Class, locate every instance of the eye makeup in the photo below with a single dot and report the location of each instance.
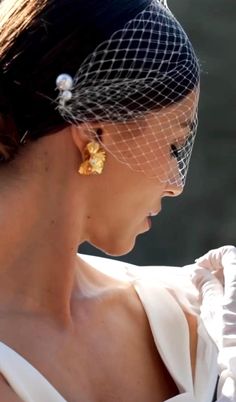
(174, 152)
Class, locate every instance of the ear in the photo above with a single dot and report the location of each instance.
(80, 136)
(83, 134)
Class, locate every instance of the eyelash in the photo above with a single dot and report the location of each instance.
(174, 151)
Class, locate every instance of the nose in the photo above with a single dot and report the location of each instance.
(172, 190)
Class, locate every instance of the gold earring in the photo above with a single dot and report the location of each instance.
(94, 159)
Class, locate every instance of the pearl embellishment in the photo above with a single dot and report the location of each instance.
(64, 83)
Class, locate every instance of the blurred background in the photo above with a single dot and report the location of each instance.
(204, 216)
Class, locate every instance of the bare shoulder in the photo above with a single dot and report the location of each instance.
(115, 273)
(106, 267)
(6, 392)
(136, 309)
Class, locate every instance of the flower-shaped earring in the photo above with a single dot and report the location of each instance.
(94, 159)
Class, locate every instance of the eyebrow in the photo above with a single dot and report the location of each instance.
(184, 124)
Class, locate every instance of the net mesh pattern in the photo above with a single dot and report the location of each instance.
(141, 86)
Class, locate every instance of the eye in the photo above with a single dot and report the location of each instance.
(177, 152)
(192, 126)
(174, 151)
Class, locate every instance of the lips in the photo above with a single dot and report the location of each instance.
(154, 213)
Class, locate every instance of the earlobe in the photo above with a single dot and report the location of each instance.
(88, 144)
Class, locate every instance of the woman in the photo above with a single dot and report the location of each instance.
(98, 117)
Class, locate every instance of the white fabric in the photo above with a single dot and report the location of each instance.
(214, 274)
(27, 382)
(167, 322)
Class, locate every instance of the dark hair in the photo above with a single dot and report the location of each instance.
(40, 39)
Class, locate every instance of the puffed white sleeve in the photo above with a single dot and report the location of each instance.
(214, 275)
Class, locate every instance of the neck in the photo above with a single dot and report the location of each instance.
(41, 228)
(38, 264)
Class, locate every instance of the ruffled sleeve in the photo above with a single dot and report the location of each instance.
(214, 275)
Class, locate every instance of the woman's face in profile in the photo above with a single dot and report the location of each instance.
(138, 173)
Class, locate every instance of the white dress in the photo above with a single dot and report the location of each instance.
(163, 292)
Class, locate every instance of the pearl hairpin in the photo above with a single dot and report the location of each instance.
(64, 83)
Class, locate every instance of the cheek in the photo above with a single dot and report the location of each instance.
(145, 148)
(120, 201)
(118, 217)
(125, 210)
(153, 160)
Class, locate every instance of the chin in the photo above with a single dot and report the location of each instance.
(115, 248)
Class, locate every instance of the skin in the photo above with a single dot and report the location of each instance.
(50, 300)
